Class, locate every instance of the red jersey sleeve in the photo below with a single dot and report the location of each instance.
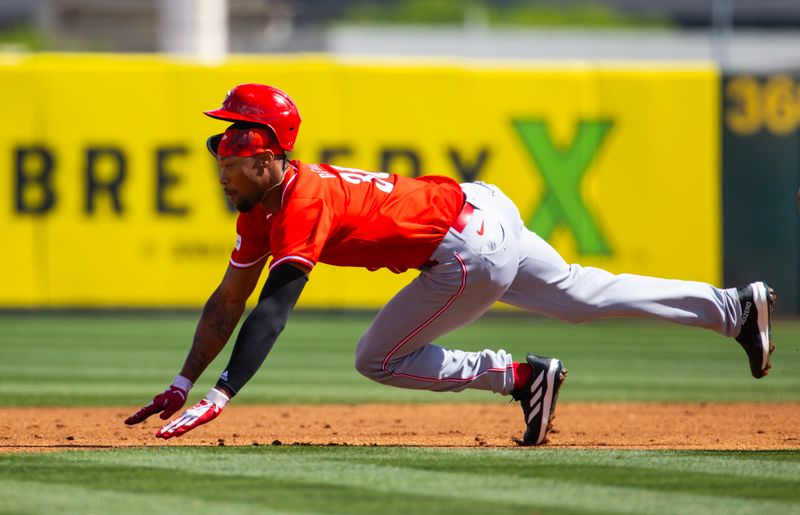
(300, 232)
(252, 239)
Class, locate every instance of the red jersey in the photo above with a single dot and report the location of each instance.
(349, 217)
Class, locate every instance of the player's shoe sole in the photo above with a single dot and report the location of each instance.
(757, 300)
(539, 396)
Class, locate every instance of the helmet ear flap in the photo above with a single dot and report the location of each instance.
(212, 143)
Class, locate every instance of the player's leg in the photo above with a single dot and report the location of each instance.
(396, 349)
(475, 266)
(546, 284)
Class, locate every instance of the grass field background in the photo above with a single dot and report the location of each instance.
(105, 359)
(124, 359)
(399, 480)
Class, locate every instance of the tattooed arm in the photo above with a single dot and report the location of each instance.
(220, 315)
(259, 332)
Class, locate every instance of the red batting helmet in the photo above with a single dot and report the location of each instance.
(264, 105)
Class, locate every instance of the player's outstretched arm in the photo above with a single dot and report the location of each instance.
(256, 338)
(220, 315)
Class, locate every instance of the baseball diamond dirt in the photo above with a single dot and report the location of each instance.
(738, 426)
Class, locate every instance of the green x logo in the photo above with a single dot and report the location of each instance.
(562, 170)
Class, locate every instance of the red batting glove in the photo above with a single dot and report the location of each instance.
(204, 411)
(168, 402)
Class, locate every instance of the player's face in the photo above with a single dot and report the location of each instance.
(243, 181)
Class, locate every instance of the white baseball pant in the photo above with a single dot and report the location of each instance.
(495, 257)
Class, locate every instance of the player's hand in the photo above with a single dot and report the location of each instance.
(204, 411)
(168, 402)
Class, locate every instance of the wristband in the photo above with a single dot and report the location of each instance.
(182, 383)
(217, 397)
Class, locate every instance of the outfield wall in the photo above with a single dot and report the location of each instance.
(109, 197)
(761, 174)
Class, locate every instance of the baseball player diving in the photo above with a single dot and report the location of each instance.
(469, 245)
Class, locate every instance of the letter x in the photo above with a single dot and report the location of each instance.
(562, 170)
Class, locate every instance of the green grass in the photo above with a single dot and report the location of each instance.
(108, 359)
(399, 480)
(520, 13)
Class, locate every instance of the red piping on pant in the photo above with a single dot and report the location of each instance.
(426, 324)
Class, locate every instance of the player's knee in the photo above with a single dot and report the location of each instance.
(369, 365)
(363, 365)
(581, 300)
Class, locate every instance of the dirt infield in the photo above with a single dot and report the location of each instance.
(621, 426)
